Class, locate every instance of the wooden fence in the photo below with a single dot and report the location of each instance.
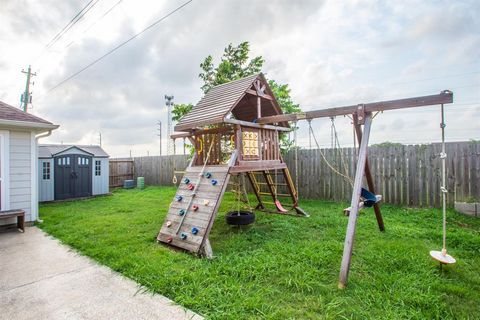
(404, 175)
(120, 170)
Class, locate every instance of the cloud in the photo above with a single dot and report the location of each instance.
(330, 53)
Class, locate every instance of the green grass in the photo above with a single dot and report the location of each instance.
(283, 267)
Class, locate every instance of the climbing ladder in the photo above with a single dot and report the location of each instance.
(275, 188)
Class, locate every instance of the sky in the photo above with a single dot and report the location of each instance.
(330, 53)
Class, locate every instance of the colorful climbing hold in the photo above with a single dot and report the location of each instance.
(168, 224)
(214, 182)
(183, 236)
(186, 181)
(208, 175)
(195, 230)
(169, 239)
(190, 186)
(206, 202)
(194, 207)
(178, 198)
(181, 212)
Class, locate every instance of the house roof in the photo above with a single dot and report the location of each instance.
(12, 116)
(50, 150)
(230, 98)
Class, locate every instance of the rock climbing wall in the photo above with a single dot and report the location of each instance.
(187, 226)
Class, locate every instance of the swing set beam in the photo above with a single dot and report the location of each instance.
(443, 97)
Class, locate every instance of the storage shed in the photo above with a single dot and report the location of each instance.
(72, 171)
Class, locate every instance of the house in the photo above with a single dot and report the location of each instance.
(19, 134)
(72, 171)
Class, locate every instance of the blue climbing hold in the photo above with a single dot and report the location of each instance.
(195, 230)
(178, 198)
(181, 212)
(208, 175)
(183, 236)
(214, 182)
(186, 181)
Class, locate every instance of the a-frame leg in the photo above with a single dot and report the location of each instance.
(352, 218)
(256, 190)
(368, 176)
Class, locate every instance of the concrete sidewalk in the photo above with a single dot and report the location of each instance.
(43, 279)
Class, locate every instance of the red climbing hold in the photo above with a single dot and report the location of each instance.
(190, 186)
(169, 239)
(194, 207)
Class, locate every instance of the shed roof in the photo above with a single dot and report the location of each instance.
(50, 150)
(230, 98)
(14, 116)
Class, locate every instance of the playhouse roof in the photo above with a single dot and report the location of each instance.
(237, 98)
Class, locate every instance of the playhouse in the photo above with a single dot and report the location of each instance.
(227, 142)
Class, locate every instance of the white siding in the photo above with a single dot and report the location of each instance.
(100, 183)
(45, 187)
(20, 174)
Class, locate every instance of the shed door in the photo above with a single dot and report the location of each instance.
(83, 176)
(73, 176)
(64, 177)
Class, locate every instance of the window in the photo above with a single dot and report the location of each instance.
(250, 145)
(98, 168)
(46, 170)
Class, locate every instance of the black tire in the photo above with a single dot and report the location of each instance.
(240, 218)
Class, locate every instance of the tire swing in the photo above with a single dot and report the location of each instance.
(442, 256)
(241, 217)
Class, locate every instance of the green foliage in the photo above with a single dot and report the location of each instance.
(233, 65)
(179, 110)
(283, 267)
(387, 144)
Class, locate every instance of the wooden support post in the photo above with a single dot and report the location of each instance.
(256, 190)
(352, 219)
(368, 176)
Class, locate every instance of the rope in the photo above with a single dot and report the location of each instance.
(444, 190)
(296, 156)
(337, 142)
(174, 179)
(198, 186)
(326, 161)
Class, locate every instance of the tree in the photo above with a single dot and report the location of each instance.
(179, 110)
(235, 64)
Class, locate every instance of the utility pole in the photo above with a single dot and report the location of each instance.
(100, 138)
(26, 97)
(169, 104)
(159, 134)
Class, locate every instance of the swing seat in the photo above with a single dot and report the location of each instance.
(279, 206)
(442, 258)
(369, 199)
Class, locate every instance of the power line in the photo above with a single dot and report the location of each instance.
(68, 24)
(77, 18)
(96, 21)
(119, 46)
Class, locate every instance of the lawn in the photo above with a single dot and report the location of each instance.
(283, 267)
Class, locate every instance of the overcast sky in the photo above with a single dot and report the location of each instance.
(331, 53)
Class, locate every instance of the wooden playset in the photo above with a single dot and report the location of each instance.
(235, 130)
(228, 141)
